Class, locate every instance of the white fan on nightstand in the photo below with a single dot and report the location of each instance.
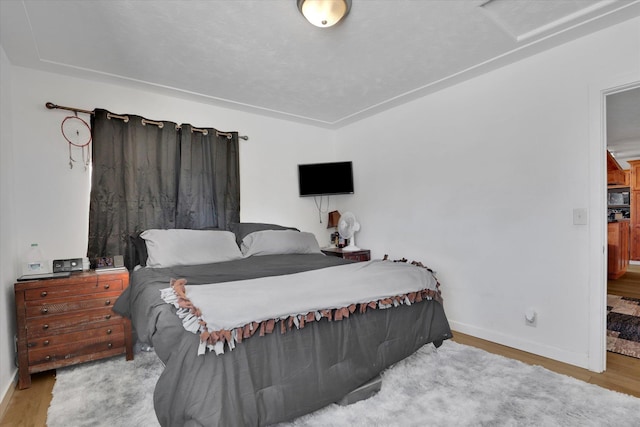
(347, 227)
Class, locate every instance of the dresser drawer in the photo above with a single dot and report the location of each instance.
(53, 340)
(58, 291)
(357, 256)
(70, 304)
(63, 323)
(76, 349)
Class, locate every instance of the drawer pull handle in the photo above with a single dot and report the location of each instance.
(47, 358)
(106, 286)
(107, 302)
(44, 310)
(45, 326)
(108, 316)
(43, 293)
(108, 331)
(109, 345)
(46, 342)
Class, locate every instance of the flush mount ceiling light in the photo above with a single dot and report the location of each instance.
(324, 13)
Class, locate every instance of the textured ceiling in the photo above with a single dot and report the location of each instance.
(263, 57)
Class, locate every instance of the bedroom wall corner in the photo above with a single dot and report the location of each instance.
(479, 181)
(269, 191)
(8, 260)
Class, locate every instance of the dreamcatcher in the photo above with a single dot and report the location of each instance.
(78, 134)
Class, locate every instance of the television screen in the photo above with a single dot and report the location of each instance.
(321, 179)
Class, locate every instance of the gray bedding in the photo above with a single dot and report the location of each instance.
(277, 377)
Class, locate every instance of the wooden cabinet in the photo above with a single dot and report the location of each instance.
(615, 174)
(618, 248)
(634, 184)
(67, 321)
(634, 175)
(616, 177)
(360, 255)
(634, 241)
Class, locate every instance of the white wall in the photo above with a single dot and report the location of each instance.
(7, 230)
(479, 181)
(53, 200)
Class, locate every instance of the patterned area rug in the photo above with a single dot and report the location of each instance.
(623, 325)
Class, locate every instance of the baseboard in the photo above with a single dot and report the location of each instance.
(634, 262)
(7, 398)
(554, 353)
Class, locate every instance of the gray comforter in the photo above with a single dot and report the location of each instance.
(277, 377)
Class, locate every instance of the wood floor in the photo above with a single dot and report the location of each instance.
(628, 285)
(28, 408)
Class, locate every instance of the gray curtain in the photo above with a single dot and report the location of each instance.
(209, 191)
(147, 176)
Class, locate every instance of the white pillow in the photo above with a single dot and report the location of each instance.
(167, 248)
(274, 242)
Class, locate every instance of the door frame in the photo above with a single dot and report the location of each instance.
(597, 305)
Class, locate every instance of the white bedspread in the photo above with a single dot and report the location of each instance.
(232, 305)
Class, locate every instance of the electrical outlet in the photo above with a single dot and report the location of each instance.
(531, 318)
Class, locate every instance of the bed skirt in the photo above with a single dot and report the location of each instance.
(279, 377)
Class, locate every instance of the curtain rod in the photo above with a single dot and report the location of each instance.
(52, 106)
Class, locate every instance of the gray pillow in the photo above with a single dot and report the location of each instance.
(276, 242)
(166, 248)
(140, 247)
(242, 229)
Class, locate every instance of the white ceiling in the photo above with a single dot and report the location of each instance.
(263, 57)
(623, 126)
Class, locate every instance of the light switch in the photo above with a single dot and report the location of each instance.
(580, 216)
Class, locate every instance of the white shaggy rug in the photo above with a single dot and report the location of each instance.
(110, 392)
(455, 385)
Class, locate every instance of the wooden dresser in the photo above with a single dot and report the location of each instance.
(67, 321)
(359, 255)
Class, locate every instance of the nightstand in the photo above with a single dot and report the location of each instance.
(67, 321)
(359, 255)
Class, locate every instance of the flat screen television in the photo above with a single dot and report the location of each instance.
(322, 179)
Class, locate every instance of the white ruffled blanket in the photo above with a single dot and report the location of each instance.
(232, 311)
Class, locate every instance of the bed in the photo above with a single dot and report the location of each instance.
(289, 370)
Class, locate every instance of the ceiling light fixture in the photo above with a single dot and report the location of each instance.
(324, 13)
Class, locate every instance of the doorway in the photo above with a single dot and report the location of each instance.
(622, 141)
